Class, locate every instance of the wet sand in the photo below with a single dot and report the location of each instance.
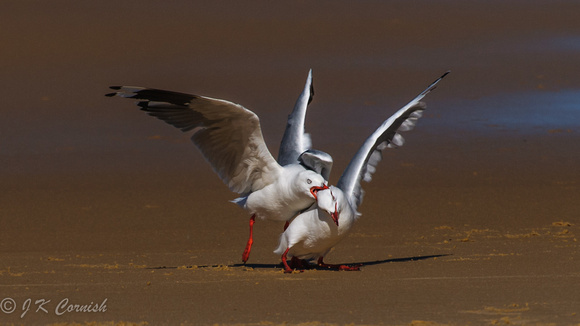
(475, 221)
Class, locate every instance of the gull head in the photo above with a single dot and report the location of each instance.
(327, 202)
(313, 182)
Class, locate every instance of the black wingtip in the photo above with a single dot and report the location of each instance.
(113, 88)
(311, 91)
(144, 105)
(433, 84)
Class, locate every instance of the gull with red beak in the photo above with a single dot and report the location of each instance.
(313, 233)
(230, 139)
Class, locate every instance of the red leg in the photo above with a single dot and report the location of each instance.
(321, 263)
(287, 268)
(286, 225)
(246, 253)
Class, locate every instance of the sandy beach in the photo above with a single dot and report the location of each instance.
(111, 217)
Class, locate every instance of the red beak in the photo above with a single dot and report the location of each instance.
(316, 189)
(335, 215)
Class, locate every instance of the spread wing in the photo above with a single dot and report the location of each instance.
(227, 134)
(295, 141)
(364, 163)
(295, 145)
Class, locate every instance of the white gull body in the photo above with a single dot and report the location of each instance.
(312, 234)
(315, 232)
(230, 139)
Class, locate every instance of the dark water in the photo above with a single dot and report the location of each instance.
(514, 68)
(538, 112)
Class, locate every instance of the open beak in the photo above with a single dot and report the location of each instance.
(335, 214)
(316, 189)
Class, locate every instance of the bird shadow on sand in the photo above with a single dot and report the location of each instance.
(311, 266)
(359, 264)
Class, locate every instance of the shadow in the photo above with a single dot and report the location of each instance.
(310, 267)
(399, 260)
(256, 266)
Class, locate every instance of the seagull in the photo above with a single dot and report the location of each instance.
(230, 138)
(313, 233)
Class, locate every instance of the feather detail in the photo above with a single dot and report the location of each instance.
(227, 134)
(295, 141)
(365, 161)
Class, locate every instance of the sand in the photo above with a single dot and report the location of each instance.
(475, 221)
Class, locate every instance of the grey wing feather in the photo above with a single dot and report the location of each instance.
(317, 161)
(295, 141)
(227, 134)
(364, 163)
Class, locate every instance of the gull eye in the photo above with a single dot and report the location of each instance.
(308, 181)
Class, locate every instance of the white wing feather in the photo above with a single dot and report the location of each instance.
(364, 163)
(295, 141)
